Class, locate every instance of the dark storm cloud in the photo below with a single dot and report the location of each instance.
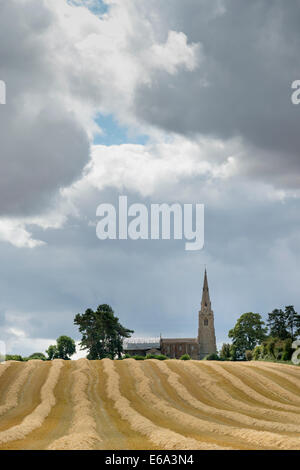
(42, 146)
(242, 86)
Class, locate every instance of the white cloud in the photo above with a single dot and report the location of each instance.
(79, 353)
(25, 345)
(156, 167)
(103, 60)
(174, 53)
(15, 232)
(78, 64)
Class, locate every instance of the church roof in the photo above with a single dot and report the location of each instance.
(179, 340)
(141, 344)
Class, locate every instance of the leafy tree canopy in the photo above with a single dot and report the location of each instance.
(284, 324)
(102, 333)
(225, 353)
(248, 331)
(277, 324)
(37, 355)
(292, 319)
(63, 349)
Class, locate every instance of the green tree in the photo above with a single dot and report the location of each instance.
(277, 324)
(37, 355)
(248, 331)
(63, 349)
(52, 352)
(248, 355)
(185, 357)
(225, 353)
(292, 319)
(211, 357)
(102, 333)
(13, 357)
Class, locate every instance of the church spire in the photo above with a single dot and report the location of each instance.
(205, 303)
(206, 328)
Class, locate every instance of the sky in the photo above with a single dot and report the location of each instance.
(164, 102)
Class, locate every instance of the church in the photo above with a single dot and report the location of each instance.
(197, 348)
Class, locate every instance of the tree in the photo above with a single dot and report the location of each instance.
(284, 324)
(13, 357)
(37, 355)
(225, 353)
(211, 357)
(63, 349)
(52, 352)
(277, 324)
(292, 320)
(249, 331)
(102, 333)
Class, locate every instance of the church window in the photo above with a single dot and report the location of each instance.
(205, 322)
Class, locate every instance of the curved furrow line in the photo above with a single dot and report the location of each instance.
(249, 435)
(82, 434)
(111, 437)
(15, 388)
(162, 389)
(4, 366)
(251, 417)
(187, 422)
(5, 372)
(221, 396)
(130, 437)
(162, 437)
(246, 389)
(269, 385)
(289, 380)
(35, 419)
(29, 395)
(291, 369)
(58, 422)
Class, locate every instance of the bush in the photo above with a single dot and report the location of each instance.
(225, 353)
(161, 357)
(185, 357)
(271, 347)
(256, 353)
(211, 357)
(13, 357)
(287, 350)
(248, 355)
(151, 356)
(137, 357)
(127, 356)
(274, 349)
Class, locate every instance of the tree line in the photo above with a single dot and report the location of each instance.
(252, 338)
(102, 337)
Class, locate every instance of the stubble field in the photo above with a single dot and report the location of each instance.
(149, 405)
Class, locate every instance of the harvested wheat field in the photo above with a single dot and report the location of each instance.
(149, 405)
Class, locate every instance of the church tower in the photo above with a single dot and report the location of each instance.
(206, 327)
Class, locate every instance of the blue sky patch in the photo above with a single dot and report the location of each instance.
(114, 134)
(96, 6)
